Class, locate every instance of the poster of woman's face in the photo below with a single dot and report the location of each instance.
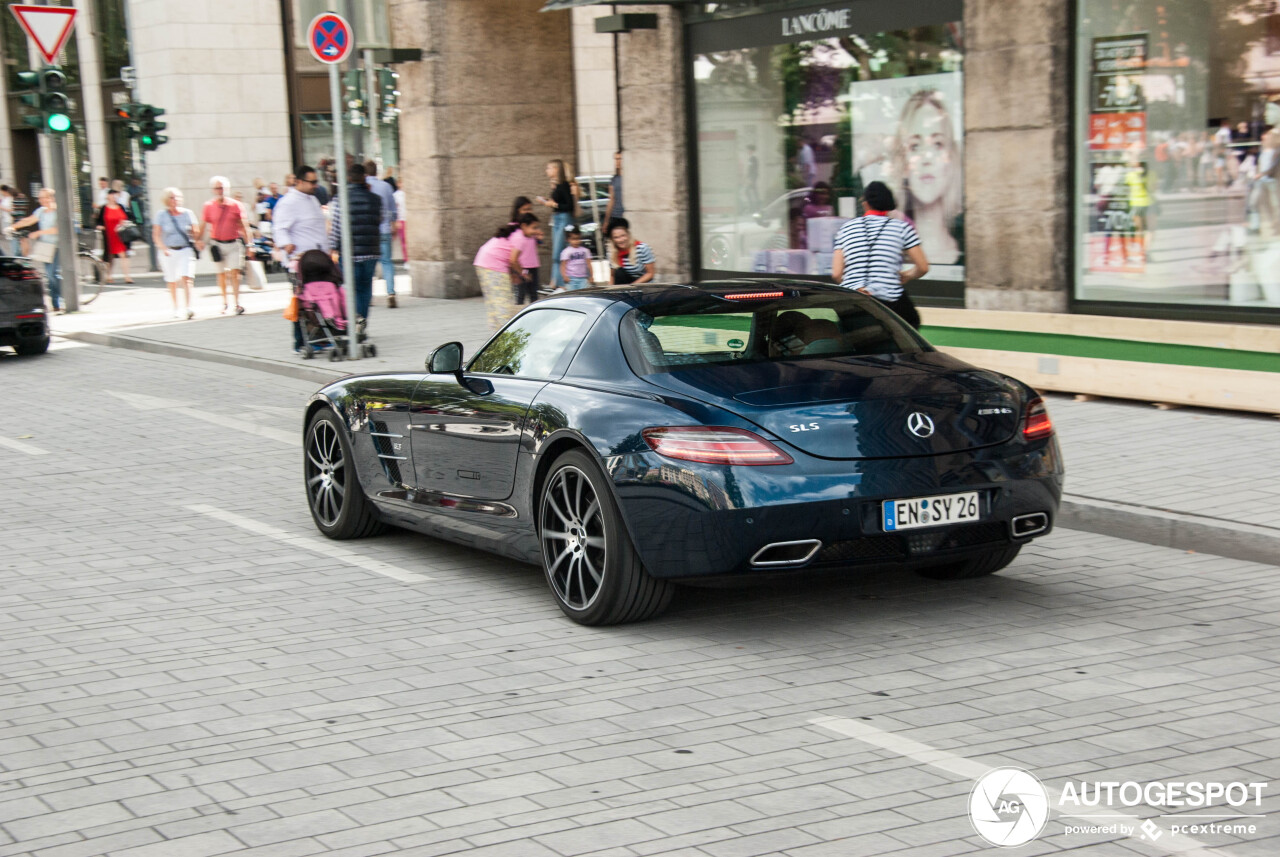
(905, 133)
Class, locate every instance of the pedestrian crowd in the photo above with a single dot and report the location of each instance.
(309, 217)
(509, 265)
(241, 238)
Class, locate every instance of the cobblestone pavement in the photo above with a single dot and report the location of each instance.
(190, 670)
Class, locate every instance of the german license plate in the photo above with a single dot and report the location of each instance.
(930, 511)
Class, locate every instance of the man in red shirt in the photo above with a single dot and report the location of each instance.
(224, 219)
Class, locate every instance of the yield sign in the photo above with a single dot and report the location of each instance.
(47, 26)
(329, 38)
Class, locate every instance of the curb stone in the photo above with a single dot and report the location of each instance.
(1132, 522)
(1171, 529)
(321, 373)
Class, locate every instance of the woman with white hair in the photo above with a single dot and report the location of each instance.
(176, 234)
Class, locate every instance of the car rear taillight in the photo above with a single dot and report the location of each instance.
(39, 314)
(1037, 424)
(713, 445)
(754, 296)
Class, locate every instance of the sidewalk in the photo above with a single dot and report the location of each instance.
(1188, 478)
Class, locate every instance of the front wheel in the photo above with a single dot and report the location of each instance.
(338, 505)
(979, 566)
(591, 565)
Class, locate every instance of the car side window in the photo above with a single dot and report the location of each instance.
(530, 346)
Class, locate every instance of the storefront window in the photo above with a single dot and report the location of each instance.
(791, 129)
(1178, 189)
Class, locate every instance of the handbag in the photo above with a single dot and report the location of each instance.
(44, 251)
(291, 309)
(215, 252)
(128, 232)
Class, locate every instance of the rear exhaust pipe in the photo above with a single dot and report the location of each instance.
(1029, 525)
(780, 554)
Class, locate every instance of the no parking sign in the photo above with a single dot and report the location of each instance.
(329, 38)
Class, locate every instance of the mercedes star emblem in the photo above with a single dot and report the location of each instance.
(920, 424)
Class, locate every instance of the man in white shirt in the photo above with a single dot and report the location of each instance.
(298, 225)
(297, 222)
(100, 198)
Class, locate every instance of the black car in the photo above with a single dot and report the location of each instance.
(628, 438)
(23, 323)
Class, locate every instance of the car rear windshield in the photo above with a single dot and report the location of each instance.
(706, 329)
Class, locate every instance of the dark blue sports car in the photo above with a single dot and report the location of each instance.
(629, 438)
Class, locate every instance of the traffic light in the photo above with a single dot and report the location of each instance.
(30, 84)
(149, 127)
(54, 100)
(353, 95)
(129, 113)
(388, 84)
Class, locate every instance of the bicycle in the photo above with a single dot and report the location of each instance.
(92, 271)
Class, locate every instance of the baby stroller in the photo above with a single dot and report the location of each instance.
(322, 311)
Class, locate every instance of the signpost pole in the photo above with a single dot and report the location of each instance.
(68, 251)
(344, 201)
(48, 28)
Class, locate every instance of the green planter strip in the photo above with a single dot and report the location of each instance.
(1109, 349)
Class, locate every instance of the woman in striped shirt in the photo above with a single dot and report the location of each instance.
(869, 251)
(633, 261)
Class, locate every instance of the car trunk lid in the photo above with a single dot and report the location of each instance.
(883, 406)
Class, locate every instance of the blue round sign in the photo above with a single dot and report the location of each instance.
(329, 38)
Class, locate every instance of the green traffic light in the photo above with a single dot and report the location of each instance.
(59, 123)
(146, 140)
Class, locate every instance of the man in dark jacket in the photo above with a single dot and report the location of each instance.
(365, 217)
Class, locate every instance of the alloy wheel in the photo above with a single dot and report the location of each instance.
(326, 474)
(574, 543)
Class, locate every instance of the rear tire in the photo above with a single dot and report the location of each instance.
(32, 347)
(980, 566)
(337, 502)
(591, 565)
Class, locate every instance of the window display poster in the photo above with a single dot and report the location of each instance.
(1118, 118)
(1117, 234)
(1116, 132)
(1119, 63)
(907, 132)
(1121, 183)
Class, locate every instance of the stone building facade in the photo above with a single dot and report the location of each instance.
(1085, 155)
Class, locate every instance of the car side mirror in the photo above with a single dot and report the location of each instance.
(446, 360)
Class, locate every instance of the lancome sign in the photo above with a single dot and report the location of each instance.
(822, 21)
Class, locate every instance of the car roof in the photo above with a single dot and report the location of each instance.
(638, 296)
